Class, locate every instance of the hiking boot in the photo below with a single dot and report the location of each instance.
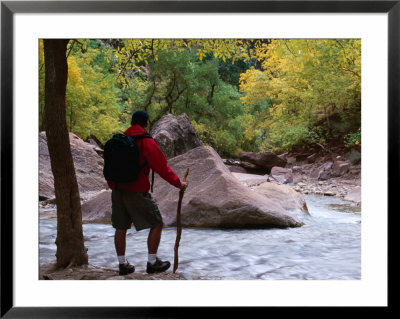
(126, 269)
(158, 266)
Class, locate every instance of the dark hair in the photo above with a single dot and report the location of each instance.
(139, 117)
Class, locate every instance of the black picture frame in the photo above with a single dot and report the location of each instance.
(9, 8)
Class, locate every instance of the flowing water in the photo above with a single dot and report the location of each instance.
(328, 246)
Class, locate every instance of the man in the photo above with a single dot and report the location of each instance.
(132, 202)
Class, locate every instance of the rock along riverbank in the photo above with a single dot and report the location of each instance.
(93, 272)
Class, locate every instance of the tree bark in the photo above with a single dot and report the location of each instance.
(70, 244)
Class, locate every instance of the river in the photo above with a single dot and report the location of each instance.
(327, 247)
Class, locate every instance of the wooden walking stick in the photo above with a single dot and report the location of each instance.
(178, 224)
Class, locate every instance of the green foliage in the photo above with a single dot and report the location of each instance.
(353, 139)
(248, 95)
(311, 90)
(182, 83)
(93, 98)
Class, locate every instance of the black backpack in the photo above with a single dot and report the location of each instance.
(121, 158)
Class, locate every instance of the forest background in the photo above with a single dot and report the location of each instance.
(240, 94)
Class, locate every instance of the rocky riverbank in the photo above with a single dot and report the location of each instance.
(93, 272)
(336, 175)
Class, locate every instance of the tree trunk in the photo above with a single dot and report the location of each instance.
(70, 244)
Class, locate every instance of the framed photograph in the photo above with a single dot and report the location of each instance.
(371, 27)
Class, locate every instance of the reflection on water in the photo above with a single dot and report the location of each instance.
(328, 246)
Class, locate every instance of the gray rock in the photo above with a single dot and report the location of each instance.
(98, 209)
(265, 159)
(354, 195)
(250, 179)
(215, 198)
(289, 199)
(88, 167)
(281, 175)
(324, 175)
(175, 135)
(340, 168)
(297, 169)
(322, 172)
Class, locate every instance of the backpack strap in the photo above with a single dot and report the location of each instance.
(152, 179)
(138, 137)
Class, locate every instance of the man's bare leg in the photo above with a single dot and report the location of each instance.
(153, 240)
(120, 241)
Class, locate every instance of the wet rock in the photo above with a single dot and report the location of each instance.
(88, 167)
(175, 135)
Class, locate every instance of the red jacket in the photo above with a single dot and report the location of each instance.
(156, 160)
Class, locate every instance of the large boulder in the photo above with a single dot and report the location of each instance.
(214, 198)
(175, 135)
(262, 160)
(288, 198)
(88, 167)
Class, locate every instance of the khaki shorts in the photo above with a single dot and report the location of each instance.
(134, 207)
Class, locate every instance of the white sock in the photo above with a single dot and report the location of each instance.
(151, 258)
(122, 259)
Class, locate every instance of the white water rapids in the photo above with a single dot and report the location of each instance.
(328, 246)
